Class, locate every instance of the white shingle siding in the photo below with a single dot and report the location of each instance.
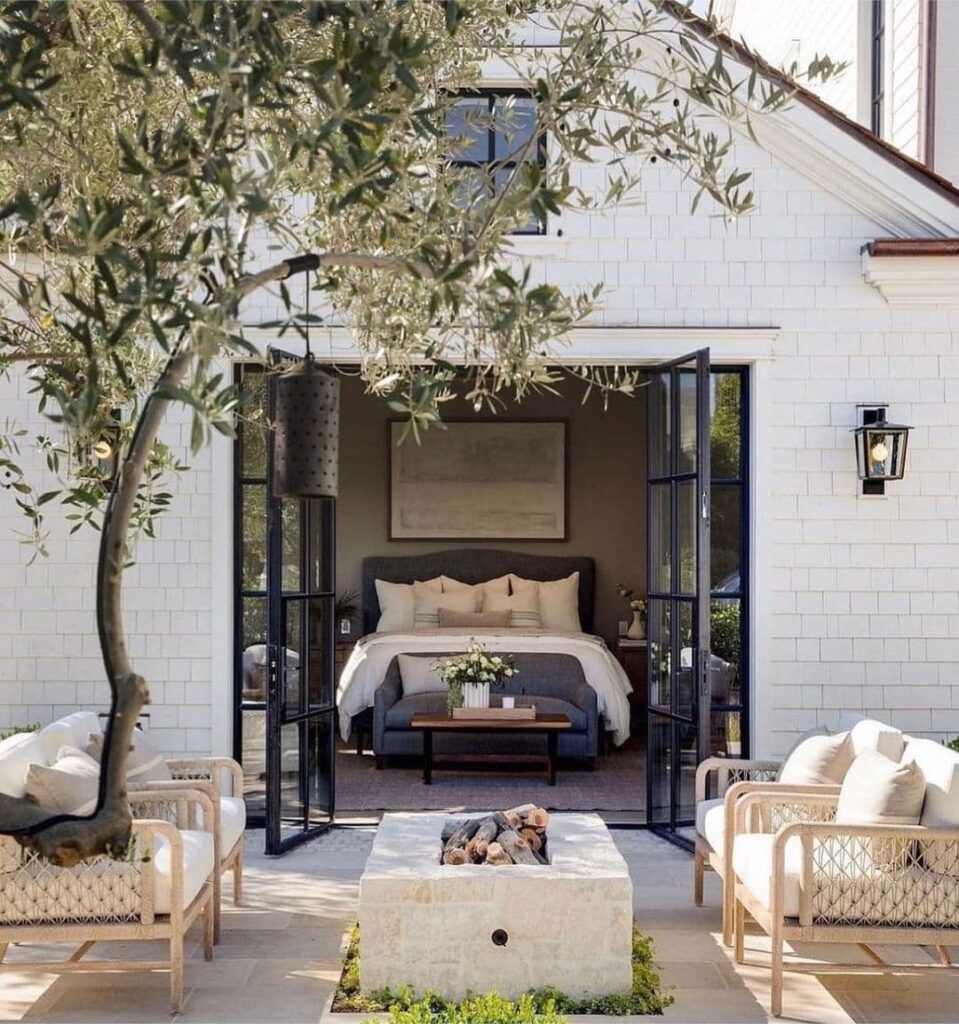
(904, 75)
(855, 599)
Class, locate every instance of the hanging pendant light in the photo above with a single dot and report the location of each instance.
(307, 428)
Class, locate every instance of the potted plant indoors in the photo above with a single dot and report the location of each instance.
(469, 676)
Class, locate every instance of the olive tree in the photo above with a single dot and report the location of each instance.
(155, 155)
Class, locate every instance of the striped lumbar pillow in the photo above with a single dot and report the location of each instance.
(427, 604)
(523, 608)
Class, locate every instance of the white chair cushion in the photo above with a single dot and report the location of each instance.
(753, 864)
(940, 808)
(53, 737)
(232, 822)
(197, 868)
(711, 822)
(870, 734)
(81, 724)
(819, 760)
(17, 753)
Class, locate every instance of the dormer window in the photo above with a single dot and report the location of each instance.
(493, 131)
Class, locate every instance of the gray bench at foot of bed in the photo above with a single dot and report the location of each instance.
(554, 682)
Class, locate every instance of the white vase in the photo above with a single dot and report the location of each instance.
(476, 695)
(637, 628)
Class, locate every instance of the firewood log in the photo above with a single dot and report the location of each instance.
(532, 837)
(502, 822)
(481, 850)
(537, 818)
(488, 830)
(497, 856)
(518, 849)
(451, 825)
(462, 835)
(455, 856)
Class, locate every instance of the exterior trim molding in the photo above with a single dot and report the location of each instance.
(913, 280)
(588, 344)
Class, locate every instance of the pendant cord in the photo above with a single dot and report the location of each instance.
(309, 354)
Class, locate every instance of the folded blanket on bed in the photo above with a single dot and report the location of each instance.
(366, 667)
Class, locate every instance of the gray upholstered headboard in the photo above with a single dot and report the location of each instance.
(474, 565)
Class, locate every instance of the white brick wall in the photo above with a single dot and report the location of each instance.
(49, 655)
(855, 599)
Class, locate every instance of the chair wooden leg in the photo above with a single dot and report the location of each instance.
(699, 868)
(740, 932)
(729, 905)
(776, 997)
(176, 971)
(238, 876)
(3, 950)
(209, 923)
(217, 898)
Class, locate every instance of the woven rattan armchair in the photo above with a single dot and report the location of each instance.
(720, 775)
(157, 892)
(819, 881)
(221, 780)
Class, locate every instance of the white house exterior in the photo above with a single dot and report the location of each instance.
(855, 598)
(901, 53)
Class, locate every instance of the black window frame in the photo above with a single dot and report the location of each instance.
(877, 69)
(492, 162)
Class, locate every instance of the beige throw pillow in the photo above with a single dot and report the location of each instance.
(68, 786)
(523, 608)
(397, 605)
(450, 619)
(427, 603)
(940, 807)
(420, 674)
(558, 601)
(819, 760)
(145, 762)
(870, 734)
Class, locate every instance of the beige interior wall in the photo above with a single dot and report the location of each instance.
(607, 489)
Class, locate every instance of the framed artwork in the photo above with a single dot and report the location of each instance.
(480, 480)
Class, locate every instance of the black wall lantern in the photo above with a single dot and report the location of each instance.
(880, 449)
(307, 432)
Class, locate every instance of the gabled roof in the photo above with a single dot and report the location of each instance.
(907, 196)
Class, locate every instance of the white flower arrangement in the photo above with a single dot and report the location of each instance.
(477, 666)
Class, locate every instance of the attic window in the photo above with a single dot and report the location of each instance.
(493, 131)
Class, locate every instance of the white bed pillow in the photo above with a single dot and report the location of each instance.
(420, 674)
(558, 601)
(397, 605)
(523, 608)
(498, 586)
(427, 603)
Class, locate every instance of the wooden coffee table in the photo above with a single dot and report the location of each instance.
(549, 725)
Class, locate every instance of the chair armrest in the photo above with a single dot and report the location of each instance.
(816, 804)
(584, 696)
(217, 769)
(386, 695)
(181, 808)
(728, 765)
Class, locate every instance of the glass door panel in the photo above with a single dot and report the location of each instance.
(300, 695)
(678, 590)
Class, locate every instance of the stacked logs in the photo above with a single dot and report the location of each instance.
(516, 836)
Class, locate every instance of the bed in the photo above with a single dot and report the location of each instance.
(370, 660)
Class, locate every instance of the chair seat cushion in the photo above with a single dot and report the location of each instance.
(400, 715)
(197, 868)
(711, 822)
(232, 822)
(753, 864)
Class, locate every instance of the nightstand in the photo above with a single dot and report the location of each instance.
(631, 654)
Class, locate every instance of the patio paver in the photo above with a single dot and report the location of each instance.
(279, 958)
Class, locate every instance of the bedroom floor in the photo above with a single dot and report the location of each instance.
(617, 784)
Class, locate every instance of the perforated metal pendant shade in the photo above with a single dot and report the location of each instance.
(307, 433)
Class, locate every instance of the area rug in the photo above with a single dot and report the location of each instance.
(617, 784)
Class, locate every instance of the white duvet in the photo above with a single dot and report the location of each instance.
(366, 667)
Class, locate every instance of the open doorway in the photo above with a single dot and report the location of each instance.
(605, 518)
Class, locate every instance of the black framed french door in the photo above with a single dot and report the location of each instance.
(678, 578)
(300, 693)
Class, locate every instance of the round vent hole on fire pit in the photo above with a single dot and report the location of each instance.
(500, 937)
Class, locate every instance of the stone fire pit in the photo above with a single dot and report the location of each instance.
(453, 929)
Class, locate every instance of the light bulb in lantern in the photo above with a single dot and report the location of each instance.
(879, 452)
